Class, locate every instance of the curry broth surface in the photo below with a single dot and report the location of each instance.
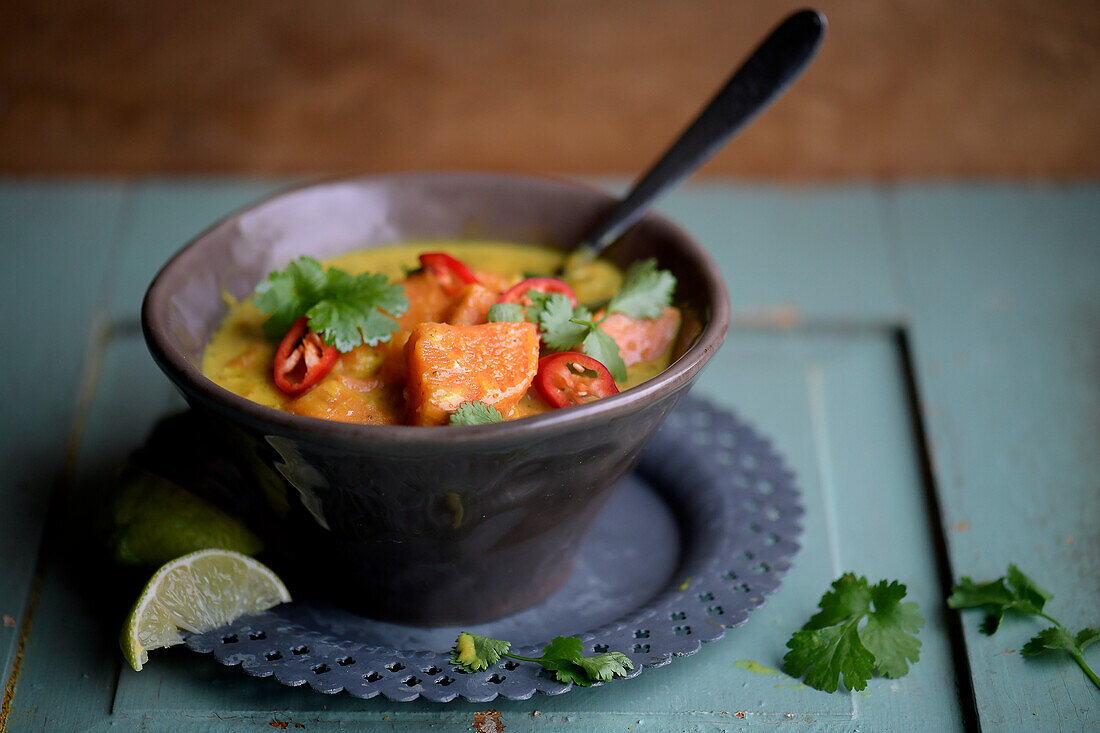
(240, 359)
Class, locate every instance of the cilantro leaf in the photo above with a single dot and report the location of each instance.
(345, 310)
(1015, 591)
(288, 294)
(564, 647)
(646, 291)
(1027, 589)
(1087, 636)
(606, 666)
(564, 656)
(563, 326)
(561, 656)
(824, 655)
(849, 597)
(890, 631)
(506, 312)
(352, 311)
(603, 349)
(832, 645)
(997, 597)
(475, 413)
(472, 652)
(1054, 638)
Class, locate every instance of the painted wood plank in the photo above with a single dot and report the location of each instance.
(795, 255)
(1004, 288)
(836, 408)
(71, 658)
(57, 241)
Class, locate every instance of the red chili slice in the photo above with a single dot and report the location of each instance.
(302, 359)
(452, 274)
(570, 378)
(518, 292)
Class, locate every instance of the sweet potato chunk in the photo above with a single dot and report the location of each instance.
(493, 363)
(394, 366)
(493, 281)
(472, 305)
(642, 339)
(427, 301)
(347, 399)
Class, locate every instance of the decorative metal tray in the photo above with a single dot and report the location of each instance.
(696, 537)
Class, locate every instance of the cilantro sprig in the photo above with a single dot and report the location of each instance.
(1015, 591)
(475, 413)
(860, 630)
(645, 293)
(346, 311)
(563, 656)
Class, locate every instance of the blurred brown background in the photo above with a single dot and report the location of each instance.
(915, 89)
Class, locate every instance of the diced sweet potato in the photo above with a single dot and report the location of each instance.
(395, 366)
(349, 400)
(642, 339)
(472, 305)
(427, 301)
(493, 281)
(492, 363)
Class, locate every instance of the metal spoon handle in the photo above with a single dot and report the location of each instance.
(760, 80)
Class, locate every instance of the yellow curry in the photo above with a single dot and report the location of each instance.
(470, 333)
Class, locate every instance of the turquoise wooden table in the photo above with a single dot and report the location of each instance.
(927, 358)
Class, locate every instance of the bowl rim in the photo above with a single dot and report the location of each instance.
(196, 386)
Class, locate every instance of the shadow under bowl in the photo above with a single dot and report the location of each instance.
(422, 525)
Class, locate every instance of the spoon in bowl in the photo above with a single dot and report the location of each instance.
(759, 81)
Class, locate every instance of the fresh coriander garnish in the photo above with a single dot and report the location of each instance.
(833, 643)
(563, 656)
(346, 311)
(475, 413)
(512, 312)
(645, 293)
(562, 325)
(1015, 591)
(605, 350)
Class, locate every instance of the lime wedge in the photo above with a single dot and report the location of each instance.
(197, 592)
(156, 520)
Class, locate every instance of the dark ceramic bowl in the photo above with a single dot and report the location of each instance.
(423, 525)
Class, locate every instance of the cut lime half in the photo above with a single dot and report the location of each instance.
(157, 520)
(197, 592)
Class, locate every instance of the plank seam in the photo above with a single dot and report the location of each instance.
(968, 702)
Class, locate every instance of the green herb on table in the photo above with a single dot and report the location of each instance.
(345, 310)
(475, 413)
(860, 630)
(563, 656)
(1015, 591)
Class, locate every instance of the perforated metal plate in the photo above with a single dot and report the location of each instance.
(694, 540)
